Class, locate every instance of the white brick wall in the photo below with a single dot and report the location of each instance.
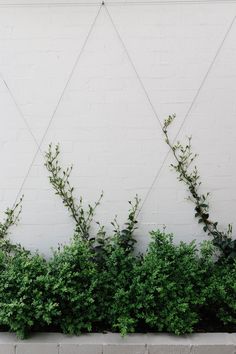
(104, 123)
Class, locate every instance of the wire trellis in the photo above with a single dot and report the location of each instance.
(219, 48)
(56, 107)
(139, 79)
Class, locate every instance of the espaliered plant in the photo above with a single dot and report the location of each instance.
(11, 218)
(116, 262)
(189, 175)
(111, 255)
(60, 181)
(99, 283)
(125, 236)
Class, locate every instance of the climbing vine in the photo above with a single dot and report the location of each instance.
(125, 235)
(60, 180)
(11, 218)
(100, 284)
(189, 175)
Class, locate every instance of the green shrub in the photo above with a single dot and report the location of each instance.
(221, 293)
(113, 295)
(171, 288)
(73, 279)
(25, 301)
(169, 285)
(98, 282)
(116, 263)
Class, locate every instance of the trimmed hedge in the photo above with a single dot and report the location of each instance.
(100, 284)
(171, 288)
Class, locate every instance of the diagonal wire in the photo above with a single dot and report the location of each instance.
(59, 101)
(20, 111)
(21, 114)
(142, 85)
(133, 66)
(188, 112)
(149, 99)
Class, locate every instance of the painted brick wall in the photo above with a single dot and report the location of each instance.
(104, 122)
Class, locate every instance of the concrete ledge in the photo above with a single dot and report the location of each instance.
(110, 343)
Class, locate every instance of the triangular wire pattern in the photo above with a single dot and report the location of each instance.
(21, 109)
(16, 147)
(211, 64)
(21, 41)
(190, 108)
(193, 101)
(99, 107)
(102, 135)
(39, 144)
(38, 54)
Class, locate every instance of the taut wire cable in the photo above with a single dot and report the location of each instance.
(188, 112)
(18, 109)
(133, 66)
(139, 80)
(150, 101)
(59, 101)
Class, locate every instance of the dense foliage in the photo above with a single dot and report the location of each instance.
(171, 288)
(99, 283)
(72, 283)
(25, 300)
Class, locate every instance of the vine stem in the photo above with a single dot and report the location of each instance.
(184, 157)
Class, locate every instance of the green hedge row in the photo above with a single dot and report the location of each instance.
(100, 284)
(172, 288)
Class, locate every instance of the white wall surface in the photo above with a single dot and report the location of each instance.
(104, 122)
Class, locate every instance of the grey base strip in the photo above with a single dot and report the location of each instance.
(110, 343)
